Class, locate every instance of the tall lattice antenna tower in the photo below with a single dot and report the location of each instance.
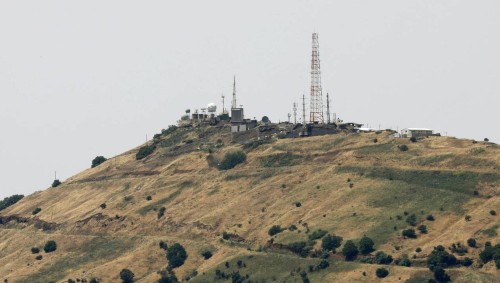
(316, 110)
(234, 94)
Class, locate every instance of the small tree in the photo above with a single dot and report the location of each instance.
(350, 251)
(383, 258)
(206, 254)
(231, 159)
(36, 211)
(103, 205)
(50, 246)
(127, 276)
(274, 230)
(97, 161)
(403, 147)
(409, 233)
(331, 242)
(441, 275)
(471, 242)
(430, 217)
(366, 245)
(422, 229)
(161, 212)
(145, 151)
(413, 139)
(412, 220)
(35, 250)
(176, 255)
(56, 183)
(382, 272)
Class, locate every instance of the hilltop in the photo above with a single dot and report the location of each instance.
(113, 216)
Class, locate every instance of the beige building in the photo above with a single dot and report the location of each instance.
(415, 132)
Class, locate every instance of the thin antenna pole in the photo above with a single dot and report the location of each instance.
(328, 108)
(234, 92)
(55, 175)
(304, 109)
(223, 106)
(295, 113)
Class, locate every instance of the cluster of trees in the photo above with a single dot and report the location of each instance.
(491, 253)
(98, 160)
(8, 201)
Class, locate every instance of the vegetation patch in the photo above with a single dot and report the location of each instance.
(94, 251)
(492, 231)
(8, 201)
(145, 151)
(279, 159)
(231, 159)
(165, 200)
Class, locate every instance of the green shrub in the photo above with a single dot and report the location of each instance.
(331, 242)
(413, 139)
(299, 248)
(382, 272)
(148, 198)
(176, 255)
(206, 254)
(409, 233)
(366, 245)
(161, 212)
(492, 212)
(103, 205)
(404, 261)
(36, 211)
(292, 227)
(318, 234)
(231, 159)
(490, 253)
(350, 251)
(430, 217)
(127, 276)
(466, 261)
(50, 246)
(403, 147)
(471, 242)
(56, 183)
(383, 258)
(97, 161)
(163, 245)
(440, 275)
(412, 220)
(422, 229)
(275, 229)
(418, 250)
(35, 250)
(94, 280)
(39, 257)
(145, 151)
(8, 201)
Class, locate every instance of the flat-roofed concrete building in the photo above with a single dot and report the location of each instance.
(416, 132)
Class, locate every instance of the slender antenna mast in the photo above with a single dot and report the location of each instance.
(328, 108)
(223, 107)
(316, 111)
(289, 115)
(234, 93)
(304, 109)
(295, 113)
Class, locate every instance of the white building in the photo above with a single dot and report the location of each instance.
(416, 132)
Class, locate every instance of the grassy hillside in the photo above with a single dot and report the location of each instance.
(346, 184)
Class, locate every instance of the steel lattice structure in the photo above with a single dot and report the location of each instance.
(316, 109)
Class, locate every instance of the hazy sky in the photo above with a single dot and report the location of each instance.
(85, 78)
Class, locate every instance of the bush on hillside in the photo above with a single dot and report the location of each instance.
(35, 250)
(471, 242)
(490, 253)
(275, 229)
(97, 161)
(318, 234)
(103, 205)
(94, 280)
(36, 211)
(8, 201)
(413, 139)
(383, 258)
(231, 159)
(409, 233)
(206, 254)
(176, 255)
(492, 212)
(145, 151)
(439, 257)
(440, 275)
(50, 246)
(127, 276)
(39, 257)
(161, 212)
(350, 251)
(300, 248)
(366, 245)
(56, 183)
(331, 242)
(430, 217)
(422, 229)
(403, 147)
(382, 272)
(412, 220)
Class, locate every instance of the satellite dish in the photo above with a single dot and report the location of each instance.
(211, 107)
(265, 120)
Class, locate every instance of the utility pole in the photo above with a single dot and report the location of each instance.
(223, 107)
(289, 115)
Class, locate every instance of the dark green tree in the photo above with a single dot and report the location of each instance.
(409, 233)
(350, 251)
(98, 160)
(127, 276)
(331, 242)
(56, 183)
(382, 272)
(8, 201)
(439, 257)
(50, 246)
(176, 255)
(366, 245)
(231, 159)
(275, 229)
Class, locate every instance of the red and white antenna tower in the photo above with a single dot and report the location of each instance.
(316, 110)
